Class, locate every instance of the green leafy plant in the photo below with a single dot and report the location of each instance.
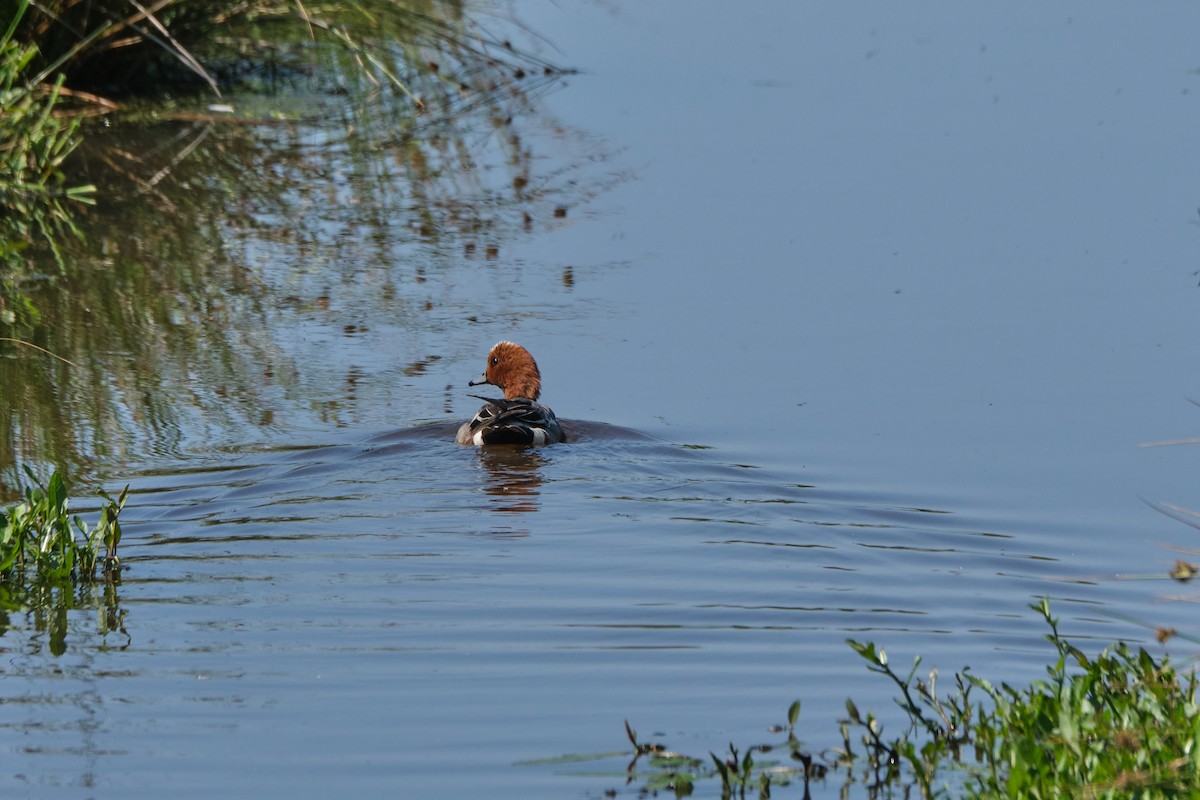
(34, 141)
(1120, 725)
(40, 535)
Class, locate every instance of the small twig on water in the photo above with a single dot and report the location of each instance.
(36, 347)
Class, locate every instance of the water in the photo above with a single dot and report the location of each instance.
(353, 614)
(864, 313)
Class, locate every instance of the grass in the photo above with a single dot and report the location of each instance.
(1120, 725)
(34, 142)
(107, 49)
(41, 541)
(63, 60)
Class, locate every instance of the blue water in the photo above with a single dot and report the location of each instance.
(879, 302)
(355, 615)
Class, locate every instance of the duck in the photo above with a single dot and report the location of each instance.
(518, 417)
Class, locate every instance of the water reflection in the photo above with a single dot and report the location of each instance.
(53, 642)
(50, 614)
(514, 477)
(242, 273)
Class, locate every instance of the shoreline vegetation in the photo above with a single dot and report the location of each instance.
(1120, 725)
(64, 61)
(35, 139)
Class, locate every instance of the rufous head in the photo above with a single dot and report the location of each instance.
(511, 369)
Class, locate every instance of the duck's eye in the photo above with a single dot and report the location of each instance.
(495, 361)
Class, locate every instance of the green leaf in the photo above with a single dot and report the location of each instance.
(57, 491)
(793, 713)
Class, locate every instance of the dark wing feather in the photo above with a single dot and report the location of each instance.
(508, 421)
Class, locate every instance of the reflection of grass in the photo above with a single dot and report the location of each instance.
(220, 233)
(1119, 725)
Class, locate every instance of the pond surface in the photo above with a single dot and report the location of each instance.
(859, 315)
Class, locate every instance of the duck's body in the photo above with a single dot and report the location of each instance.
(517, 418)
(516, 421)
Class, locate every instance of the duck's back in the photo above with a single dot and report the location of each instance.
(517, 421)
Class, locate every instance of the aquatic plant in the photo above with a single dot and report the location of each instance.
(40, 539)
(1122, 724)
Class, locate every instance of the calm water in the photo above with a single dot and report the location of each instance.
(862, 314)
